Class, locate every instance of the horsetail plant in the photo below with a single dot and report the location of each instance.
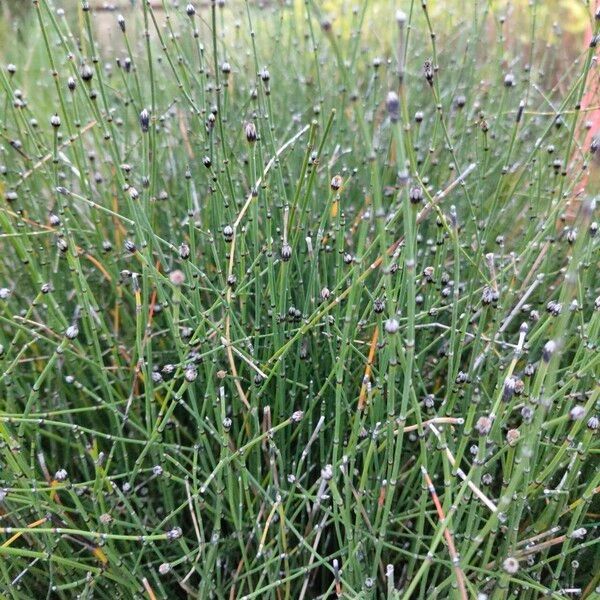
(299, 301)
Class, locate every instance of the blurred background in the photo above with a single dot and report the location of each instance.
(567, 19)
(564, 25)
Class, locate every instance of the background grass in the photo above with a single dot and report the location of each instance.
(298, 302)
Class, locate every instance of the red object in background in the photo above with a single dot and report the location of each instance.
(590, 181)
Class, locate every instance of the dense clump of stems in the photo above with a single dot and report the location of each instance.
(299, 305)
